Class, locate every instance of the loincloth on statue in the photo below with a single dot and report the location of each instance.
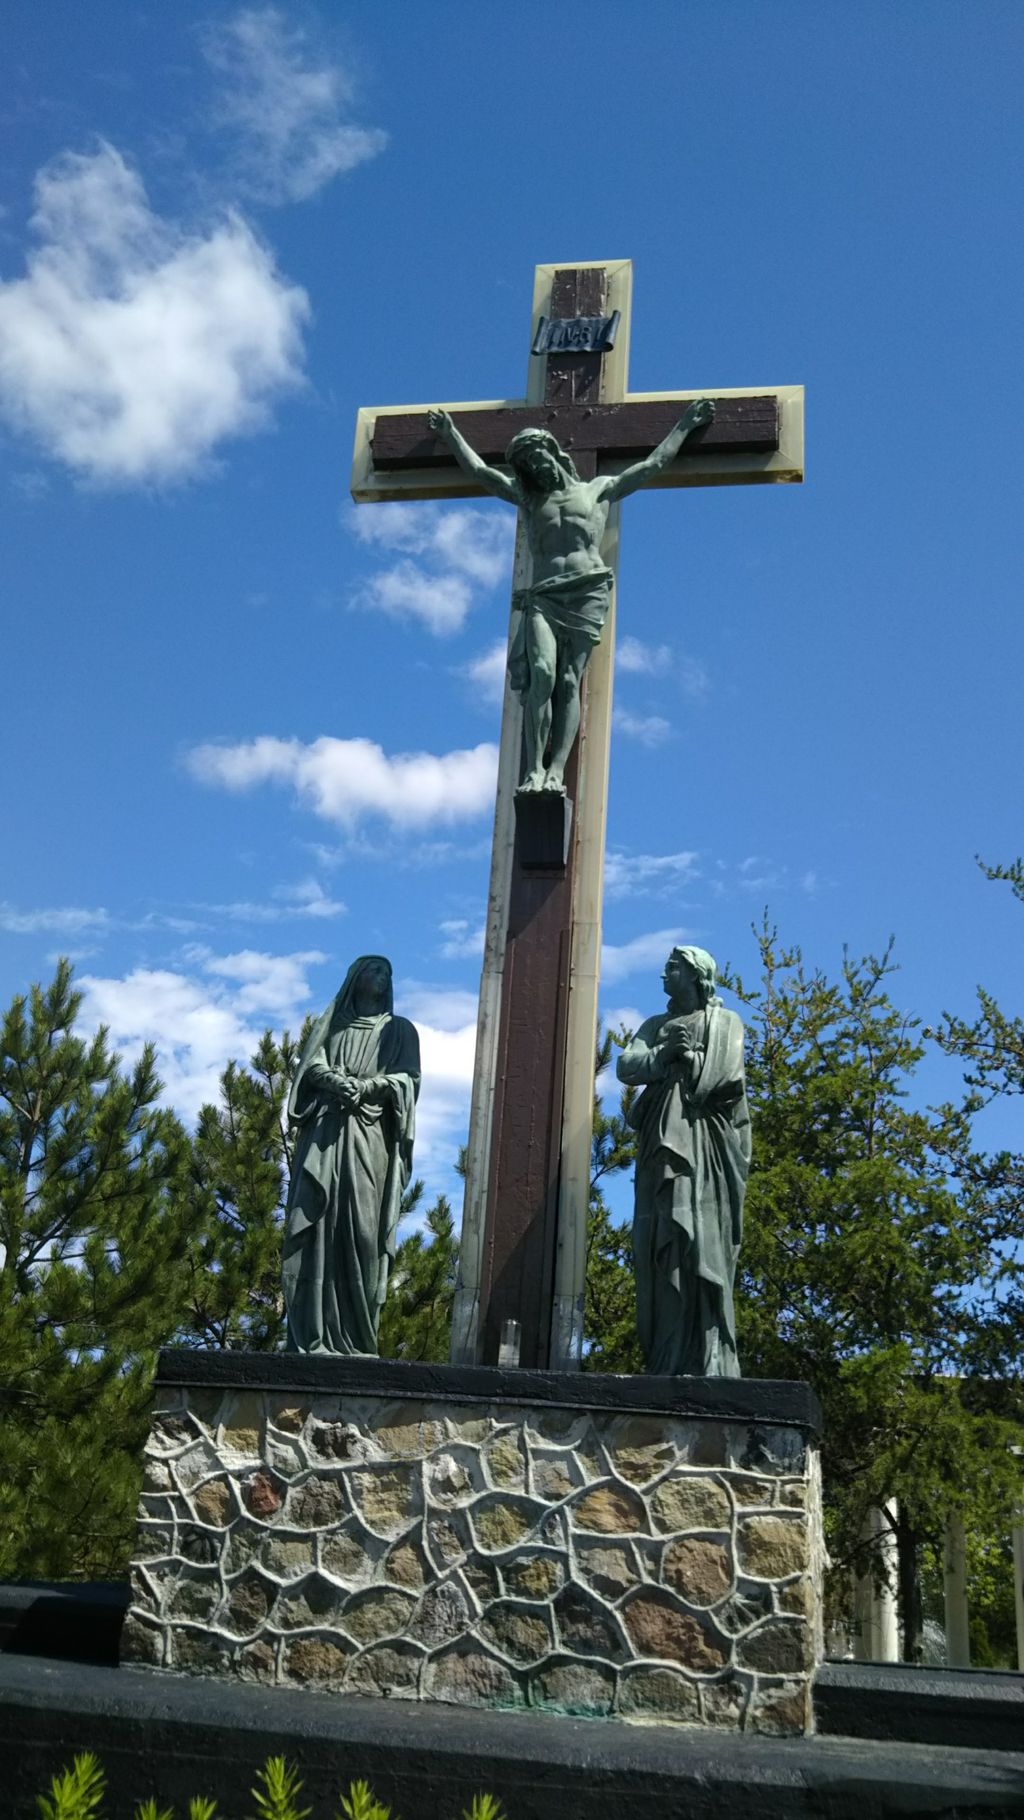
(574, 604)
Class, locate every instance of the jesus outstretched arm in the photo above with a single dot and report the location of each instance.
(491, 478)
(699, 413)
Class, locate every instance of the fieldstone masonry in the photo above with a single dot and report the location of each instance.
(504, 1547)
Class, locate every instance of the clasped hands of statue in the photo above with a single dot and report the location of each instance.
(351, 1091)
(678, 1045)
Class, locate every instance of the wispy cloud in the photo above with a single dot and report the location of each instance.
(212, 1008)
(462, 939)
(202, 1017)
(344, 780)
(131, 348)
(69, 920)
(643, 660)
(30, 484)
(446, 1022)
(461, 550)
(638, 659)
(693, 678)
(438, 601)
(648, 729)
(486, 672)
(307, 898)
(758, 875)
(288, 105)
(647, 874)
(644, 954)
(475, 540)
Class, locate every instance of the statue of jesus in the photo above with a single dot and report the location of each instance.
(561, 614)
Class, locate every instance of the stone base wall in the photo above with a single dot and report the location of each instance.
(498, 1552)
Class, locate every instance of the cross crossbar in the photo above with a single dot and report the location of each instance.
(612, 432)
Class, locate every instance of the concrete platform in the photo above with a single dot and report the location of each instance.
(975, 1708)
(177, 1736)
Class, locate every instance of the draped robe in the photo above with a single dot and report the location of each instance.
(348, 1172)
(693, 1157)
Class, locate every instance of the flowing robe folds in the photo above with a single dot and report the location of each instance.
(348, 1173)
(693, 1157)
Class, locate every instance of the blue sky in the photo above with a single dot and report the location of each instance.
(249, 732)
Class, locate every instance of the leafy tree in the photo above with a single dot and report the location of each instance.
(610, 1339)
(241, 1154)
(93, 1238)
(416, 1319)
(869, 1258)
(993, 1044)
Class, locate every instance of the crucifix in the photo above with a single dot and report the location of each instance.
(523, 1245)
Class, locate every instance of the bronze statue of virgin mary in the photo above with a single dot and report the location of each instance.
(353, 1107)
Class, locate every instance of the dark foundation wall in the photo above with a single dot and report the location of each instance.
(176, 1736)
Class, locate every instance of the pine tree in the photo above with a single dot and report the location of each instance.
(416, 1319)
(92, 1231)
(610, 1340)
(241, 1155)
(869, 1256)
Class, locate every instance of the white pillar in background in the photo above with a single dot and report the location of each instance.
(954, 1582)
(1018, 1586)
(876, 1636)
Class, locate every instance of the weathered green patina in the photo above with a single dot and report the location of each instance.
(353, 1104)
(560, 617)
(693, 1157)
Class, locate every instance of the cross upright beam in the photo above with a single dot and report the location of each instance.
(523, 1247)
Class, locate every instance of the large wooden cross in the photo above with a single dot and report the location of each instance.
(523, 1247)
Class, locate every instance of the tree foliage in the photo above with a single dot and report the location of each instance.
(93, 1233)
(871, 1259)
(609, 1323)
(416, 1319)
(238, 1175)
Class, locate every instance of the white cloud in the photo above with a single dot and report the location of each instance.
(486, 672)
(448, 1008)
(643, 660)
(644, 954)
(466, 547)
(693, 678)
(475, 540)
(201, 1019)
(463, 940)
(307, 898)
(446, 1022)
(345, 779)
(649, 729)
(659, 660)
(67, 921)
(131, 349)
(214, 1009)
(272, 984)
(406, 591)
(647, 874)
(288, 105)
(624, 1017)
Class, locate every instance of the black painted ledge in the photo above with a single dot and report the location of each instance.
(175, 1736)
(972, 1708)
(774, 1402)
(75, 1621)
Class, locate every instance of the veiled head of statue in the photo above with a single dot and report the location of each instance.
(370, 974)
(701, 964)
(539, 460)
